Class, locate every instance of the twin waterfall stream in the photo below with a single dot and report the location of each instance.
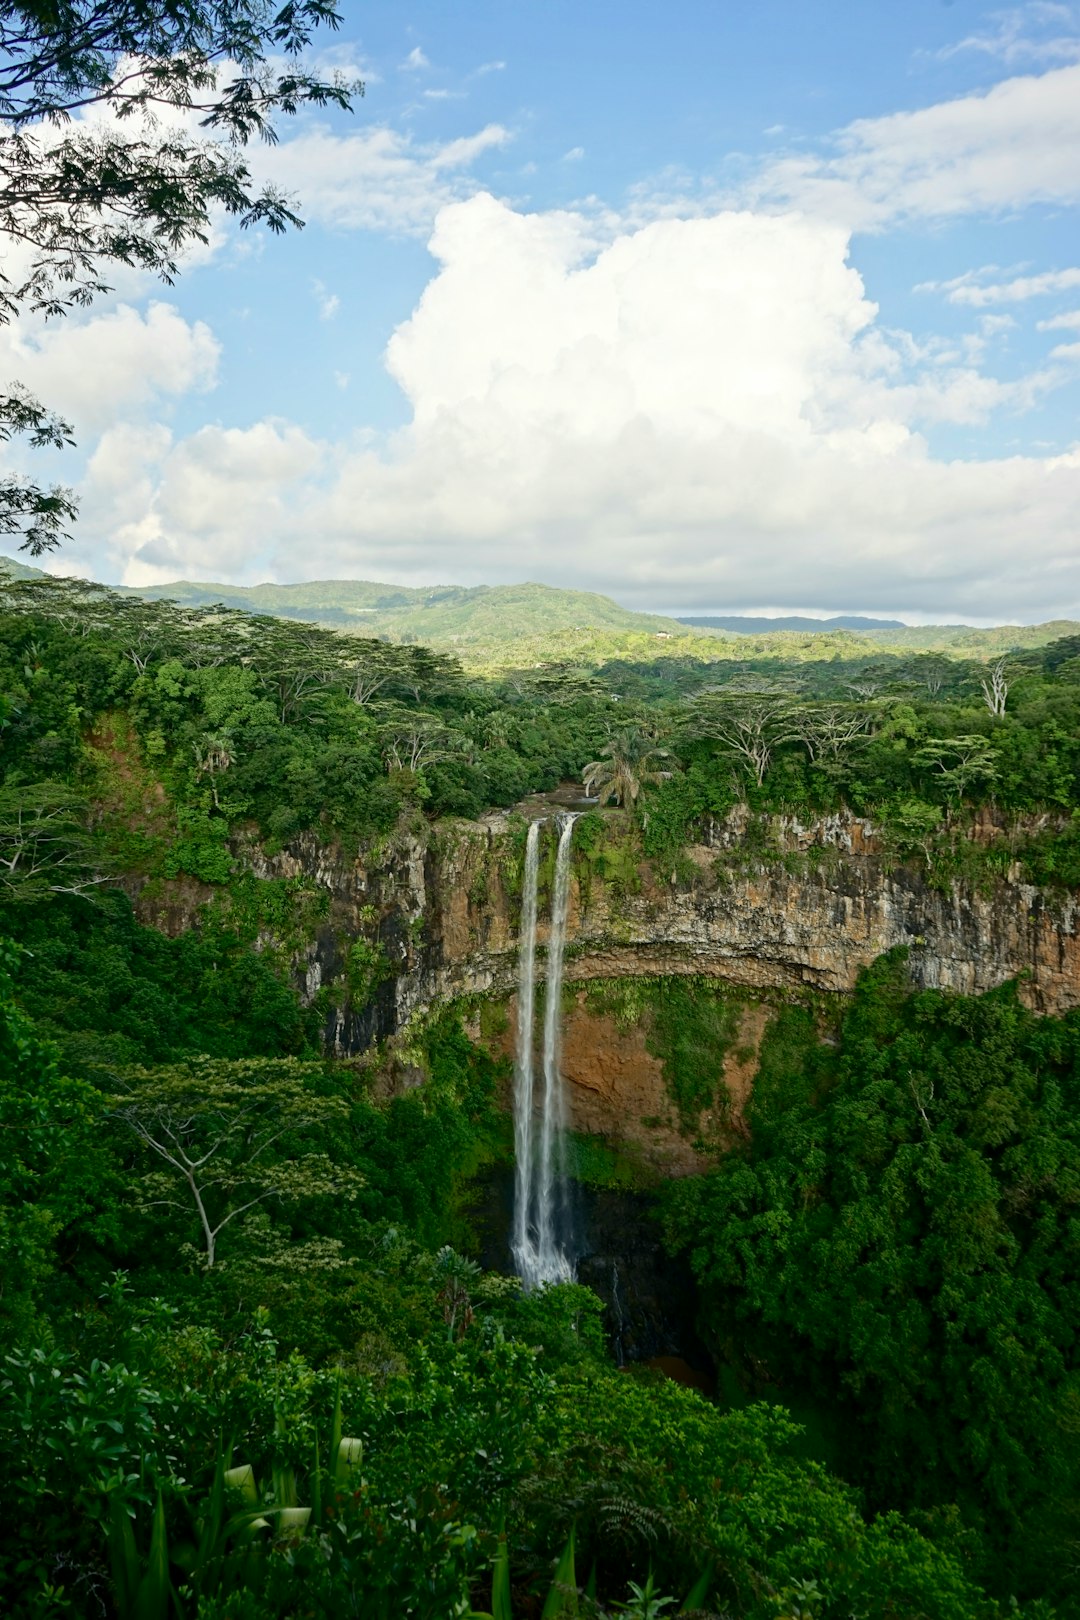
(542, 1240)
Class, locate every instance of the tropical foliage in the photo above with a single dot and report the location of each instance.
(253, 1365)
(897, 1241)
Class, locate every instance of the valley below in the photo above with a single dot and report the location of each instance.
(522, 1136)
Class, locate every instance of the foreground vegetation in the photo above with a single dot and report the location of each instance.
(146, 1371)
(250, 1367)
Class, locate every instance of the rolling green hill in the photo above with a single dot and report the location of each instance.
(18, 570)
(492, 626)
(970, 642)
(442, 615)
(534, 624)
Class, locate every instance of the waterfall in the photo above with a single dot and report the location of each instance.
(523, 1061)
(538, 1244)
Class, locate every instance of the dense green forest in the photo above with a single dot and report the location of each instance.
(251, 1366)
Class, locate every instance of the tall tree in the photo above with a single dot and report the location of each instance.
(132, 186)
(747, 728)
(212, 1127)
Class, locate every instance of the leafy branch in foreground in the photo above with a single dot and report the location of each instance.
(130, 184)
(39, 515)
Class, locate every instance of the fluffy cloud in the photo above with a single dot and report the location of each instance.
(207, 507)
(1007, 147)
(704, 411)
(376, 178)
(124, 361)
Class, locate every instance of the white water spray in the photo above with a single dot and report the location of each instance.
(523, 1059)
(538, 1247)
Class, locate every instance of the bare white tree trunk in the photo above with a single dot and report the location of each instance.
(995, 689)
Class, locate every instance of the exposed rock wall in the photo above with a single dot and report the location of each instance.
(823, 902)
(822, 905)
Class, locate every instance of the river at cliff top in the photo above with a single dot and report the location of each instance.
(650, 1298)
(569, 795)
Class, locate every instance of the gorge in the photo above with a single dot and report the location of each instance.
(764, 909)
(504, 1109)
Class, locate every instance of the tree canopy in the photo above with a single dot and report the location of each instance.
(122, 127)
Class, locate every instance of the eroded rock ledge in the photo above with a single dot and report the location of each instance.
(439, 904)
(824, 903)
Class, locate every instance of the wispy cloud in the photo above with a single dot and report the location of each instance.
(328, 302)
(1001, 149)
(1041, 33)
(377, 178)
(414, 61)
(972, 289)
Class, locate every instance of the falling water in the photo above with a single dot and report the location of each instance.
(539, 1210)
(523, 1062)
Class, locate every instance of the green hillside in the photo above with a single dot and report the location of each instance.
(534, 624)
(18, 570)
(493, 626)
(439, 615)
(972, 642)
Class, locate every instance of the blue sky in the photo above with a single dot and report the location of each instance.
(770, 307)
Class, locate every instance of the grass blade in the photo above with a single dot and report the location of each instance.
(698, 1595)
(123, 1557)
(500, 1582)
(155, 1587)
(562, 1599)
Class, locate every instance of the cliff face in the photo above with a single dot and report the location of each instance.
(820, 906)
(440, 905)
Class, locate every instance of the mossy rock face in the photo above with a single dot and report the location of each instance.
(690, 1025)
(658, 1070)
(601, 1162)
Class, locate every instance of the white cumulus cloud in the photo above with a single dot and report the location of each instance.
(701, 411)
(206, 507)
(1006, 147)
(126, 360)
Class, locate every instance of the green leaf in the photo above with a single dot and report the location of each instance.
(698, 1594)
(153, 1599)
(562, 1599)
(500, 1582)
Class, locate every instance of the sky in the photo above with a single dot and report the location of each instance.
(710, 307)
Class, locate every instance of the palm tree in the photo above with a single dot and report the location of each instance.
(213, 755)
(629, 761)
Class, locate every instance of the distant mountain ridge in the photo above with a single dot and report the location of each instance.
(499, 626)
(746, 625)
(448, 614)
